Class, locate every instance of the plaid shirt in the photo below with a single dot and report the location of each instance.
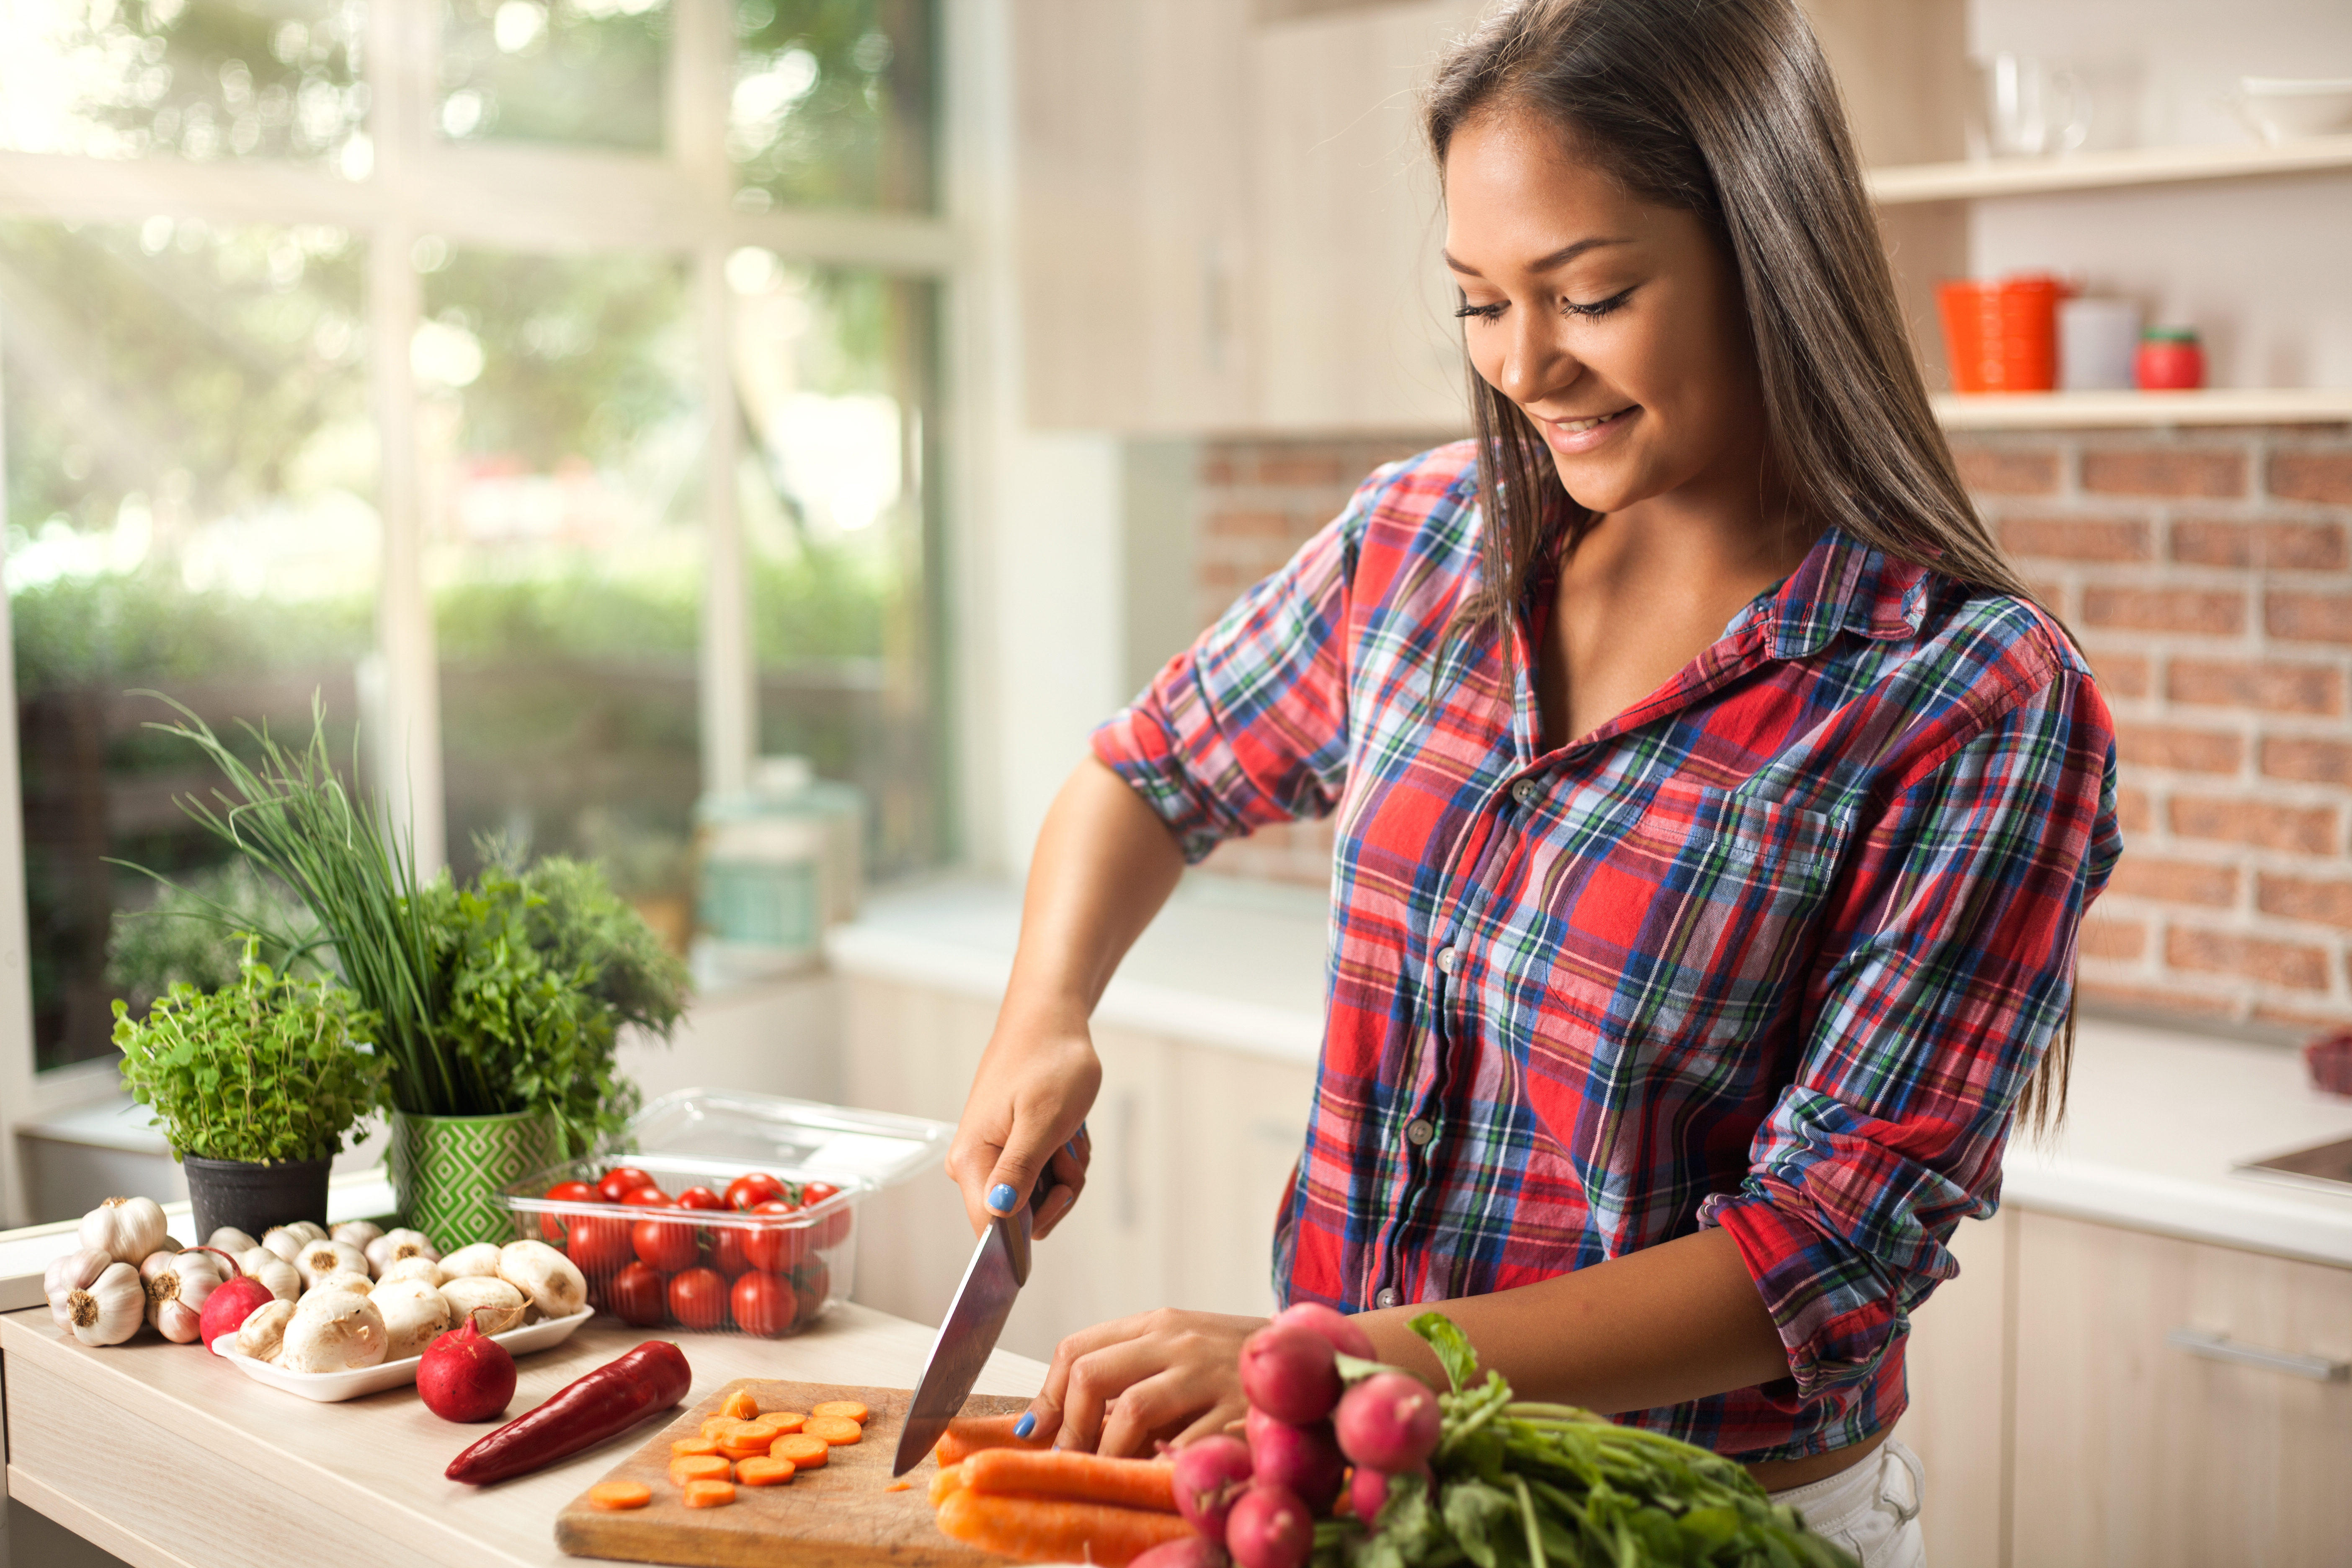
(1776, 949)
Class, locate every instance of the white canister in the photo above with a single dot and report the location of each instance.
(2096, 340)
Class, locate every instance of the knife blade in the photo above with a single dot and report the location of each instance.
(991, 1282)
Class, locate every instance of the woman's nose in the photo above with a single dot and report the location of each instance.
(1535, 361)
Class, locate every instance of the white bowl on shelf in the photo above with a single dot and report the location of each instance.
(2288, 109)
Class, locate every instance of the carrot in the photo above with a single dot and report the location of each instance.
(764, 1471)
(899, 1487)
(1044, 1529)
(949, 1478)
(1073, 1477)
(808, 1453)
(698, 1467)
(847, 1409)
(759, 1449)
(620, 1494)
(968, 1436)
(784, 1421)
(710, 1494)
(741, 1405)
(835, 1429)
(691, 1448)
(717, 1425)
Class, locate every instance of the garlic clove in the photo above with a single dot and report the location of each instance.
(477, 1261)
(233, 1241)
(415, 1314)
(423, 1269)
(75, 1271)
(320, 1258)
(308, 1230)
(109, 1309)
(342, 1332)
(395, 1245)
(283, 1240)
(263, 1328)
(552, 1281)
(126, 1229)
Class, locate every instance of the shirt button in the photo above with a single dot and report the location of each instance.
(1445, 960)
(1419, 1131)
(1386, 1299)
(1525, 793)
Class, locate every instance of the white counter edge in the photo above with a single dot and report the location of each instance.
(2250, 1213)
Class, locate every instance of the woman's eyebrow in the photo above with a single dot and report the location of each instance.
(1560, 257)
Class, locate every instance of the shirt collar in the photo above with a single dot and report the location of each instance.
(1843, 585)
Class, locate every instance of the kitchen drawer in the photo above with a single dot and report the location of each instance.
(2132, 1449)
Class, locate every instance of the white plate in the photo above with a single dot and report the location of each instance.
(333, 1387)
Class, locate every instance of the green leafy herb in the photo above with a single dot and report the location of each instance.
(267, 1069)
(1520, 1485)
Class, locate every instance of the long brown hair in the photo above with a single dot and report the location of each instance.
(1727, 109)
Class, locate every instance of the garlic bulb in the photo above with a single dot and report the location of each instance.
(126, 1229)
(332, 1331)
(423, 1269)
(263, 1328)
(285, 1241)
(281, 1278)
(395, 1245)
(552, 1281)
(477, 1261)
(320, 1258)
(476, 1291)
(177, 1285)
(233, 1241)
(357, 1232)
(349, 1279)
(415, 1314)
(64, 1276)
(110, 1308)
(308, 1230)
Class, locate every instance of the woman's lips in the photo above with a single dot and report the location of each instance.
(1586, 432)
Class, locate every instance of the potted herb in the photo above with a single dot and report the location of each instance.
(499, 1005)
(255, 1084)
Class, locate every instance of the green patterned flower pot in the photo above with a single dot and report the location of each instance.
(447, 1172)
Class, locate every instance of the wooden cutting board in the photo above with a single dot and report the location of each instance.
(840, 1516)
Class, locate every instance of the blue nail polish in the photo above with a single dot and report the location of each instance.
(1073, 1147)
(1002, 1197)
(1026, 1424)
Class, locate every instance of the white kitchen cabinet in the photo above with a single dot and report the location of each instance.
(1958, 1421)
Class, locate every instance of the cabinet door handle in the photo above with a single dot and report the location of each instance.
(2294, 1363)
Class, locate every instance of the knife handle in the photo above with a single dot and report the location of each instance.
(1017, 1225)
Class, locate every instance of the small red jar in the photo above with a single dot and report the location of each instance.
(2169, 360)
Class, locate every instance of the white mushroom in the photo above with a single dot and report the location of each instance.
(414, 1313)
(263, 1328)
(552, 1281)
(346, 1279)
(477, 1261)
(332, 1331)
(465, 1294)
(423, 1269)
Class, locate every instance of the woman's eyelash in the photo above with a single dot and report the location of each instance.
(1566, 307)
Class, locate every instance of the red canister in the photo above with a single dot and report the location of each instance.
(2169, 360)
(2001, 336)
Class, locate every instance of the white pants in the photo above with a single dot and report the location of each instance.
(1872, 1509)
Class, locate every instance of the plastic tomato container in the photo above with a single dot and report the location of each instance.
(771, 1271)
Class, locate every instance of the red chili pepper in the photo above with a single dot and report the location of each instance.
(613, 1398)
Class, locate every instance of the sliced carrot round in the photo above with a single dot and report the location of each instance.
(835, 1429)
(746, 1449)
(698, 1467)
(801, 1449)
(784, 1421)
(764, 1471)
(741, 1405)
(692, 1447)
(720, 1426)
(710, 1494)
(847, 1409)
(620, 1494)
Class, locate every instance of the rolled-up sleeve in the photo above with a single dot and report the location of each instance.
(1249, 725)
(1946, 971)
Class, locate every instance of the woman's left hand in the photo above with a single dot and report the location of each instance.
(1116, 1387)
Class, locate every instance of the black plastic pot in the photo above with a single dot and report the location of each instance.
(253, 1196)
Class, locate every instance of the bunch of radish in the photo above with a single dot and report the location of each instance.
(1258, 1499)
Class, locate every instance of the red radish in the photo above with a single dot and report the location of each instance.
(1209, 1473)
(466, 1375)
(1192, 1551)
(1303, 1458)
(1346, 1334)
(231, 1303)
(1389, 1422)
(1270, 1528)
(1367, 1489)
(1288, 1372)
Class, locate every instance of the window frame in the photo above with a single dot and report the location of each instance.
(513, 196)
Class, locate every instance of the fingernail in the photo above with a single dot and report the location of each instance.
(1002, 1197)
(1028, 1422)
(1073, 1147)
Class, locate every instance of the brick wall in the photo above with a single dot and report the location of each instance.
(2209, 574)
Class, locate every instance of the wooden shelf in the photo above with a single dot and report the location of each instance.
(2097, 171)
(2075, 410)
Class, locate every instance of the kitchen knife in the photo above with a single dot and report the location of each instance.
(999, 1268)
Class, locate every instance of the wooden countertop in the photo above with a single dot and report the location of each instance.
(170, 1457)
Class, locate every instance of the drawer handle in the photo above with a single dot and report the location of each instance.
(2220, 1347)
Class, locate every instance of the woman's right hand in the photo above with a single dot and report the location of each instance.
(1027, 1115)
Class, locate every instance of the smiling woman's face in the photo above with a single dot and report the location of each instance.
(1616, 325)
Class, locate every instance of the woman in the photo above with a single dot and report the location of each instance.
(1715, 808)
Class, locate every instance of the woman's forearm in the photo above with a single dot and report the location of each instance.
(1669, 1324)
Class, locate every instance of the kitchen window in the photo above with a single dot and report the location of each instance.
(549, 386)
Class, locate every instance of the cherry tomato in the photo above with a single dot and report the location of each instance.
(811, 1283)
(750, 1192)
(725, 1251)
(698, 1297)
(774, 1248)
(555, 1226)
(646, 1197)
(668, 1245)
(833, 1229)
(764, 1304)
(599, 1244)
(636, 1296)
(620, 1179)
(700, 1198)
